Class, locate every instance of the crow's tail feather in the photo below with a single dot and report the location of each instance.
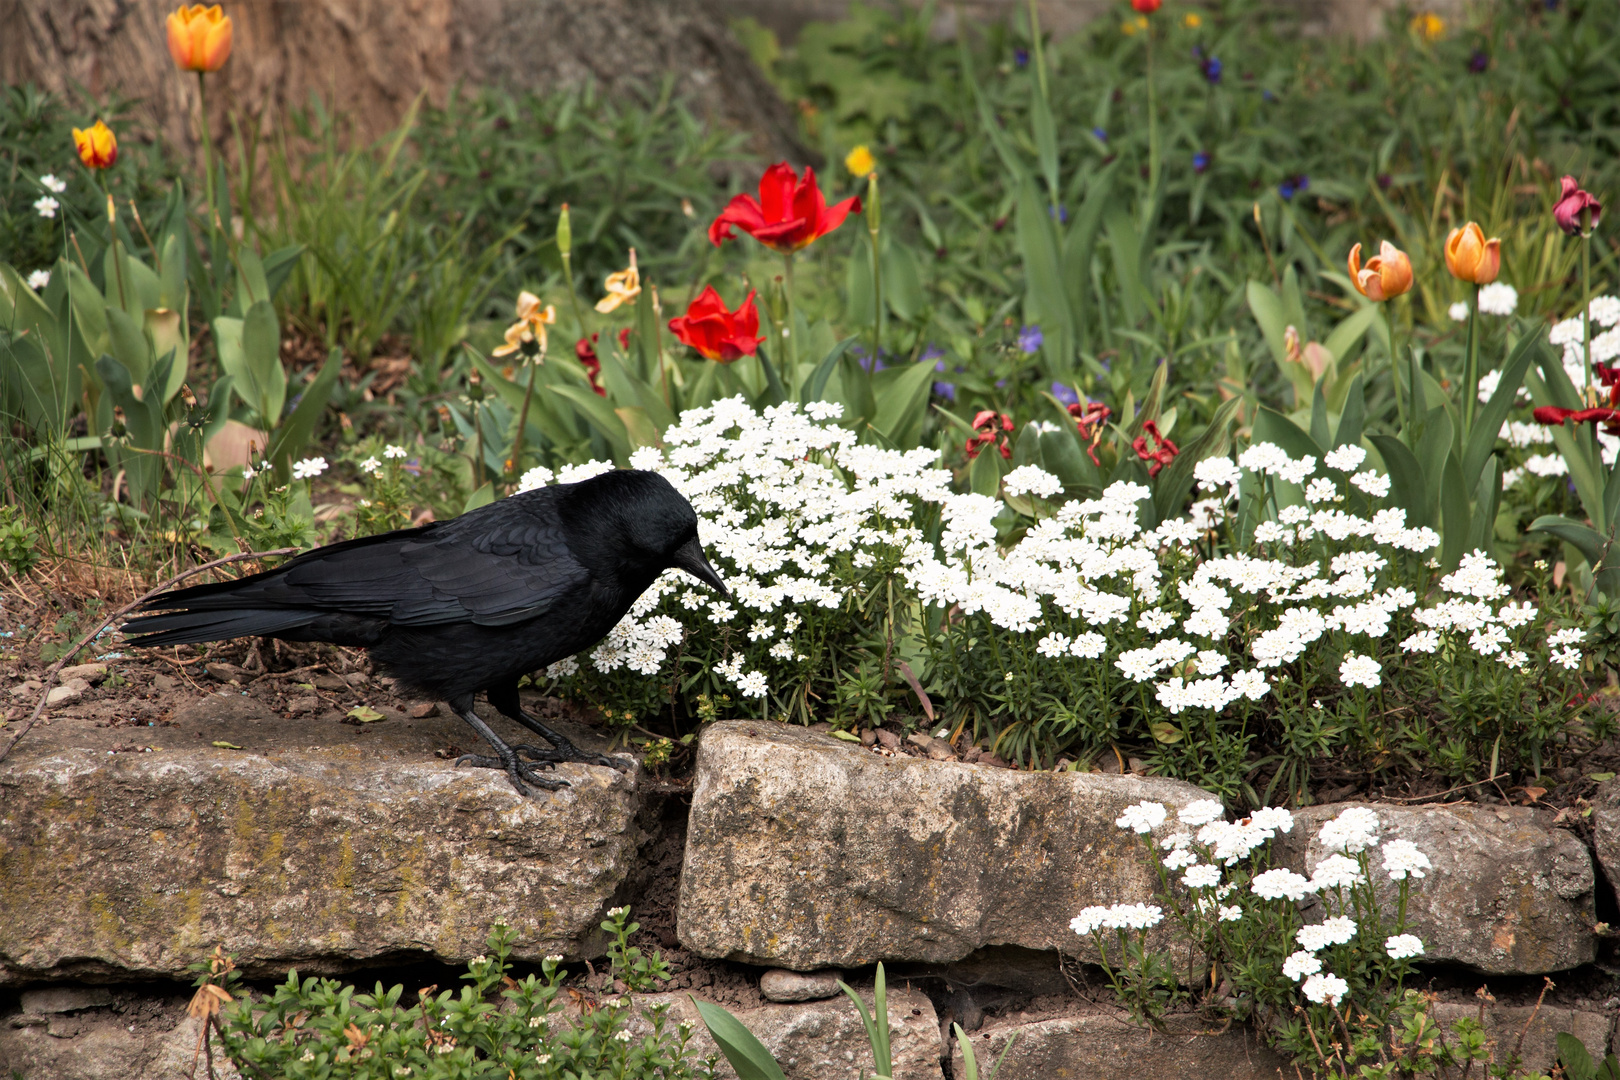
(188, 627)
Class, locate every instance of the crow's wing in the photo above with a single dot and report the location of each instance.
(503, 564)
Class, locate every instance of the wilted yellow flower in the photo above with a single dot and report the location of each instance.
(1429, 26)
(860, 161)
(530, 327)
(1192, 20)
(622, 287)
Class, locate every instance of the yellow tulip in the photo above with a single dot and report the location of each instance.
(1191, 20)
(97, 146)
(199, 37)
(622, 287)
(860, 161)
(1471, 257)
(1386, 275)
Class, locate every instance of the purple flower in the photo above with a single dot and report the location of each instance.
(1064, 394)
(1479, 61)
(933, 352)
(1267, 95)
(1100, 134)
(1200, 161)
(945, 390)
(1385, 180)
(1286, 189)
(1029, 340)
(1021, 57)
(864, 358)
(1060, 212)
(1212, 70)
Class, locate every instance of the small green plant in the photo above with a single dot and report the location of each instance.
(497, 1026)
(19, 542)
(634, 968)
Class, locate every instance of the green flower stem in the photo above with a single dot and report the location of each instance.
(873, 230)
(1586, 315)
(790, 345)
(1395, 370)
(208, 155)
(1153, 115)
(523, 415)
(1471, 368)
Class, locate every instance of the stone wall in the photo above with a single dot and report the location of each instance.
(337, 848)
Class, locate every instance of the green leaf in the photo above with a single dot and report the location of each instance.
(1352, 416)
(816, 384)
(1046, 303)
(1046, 148)
(1573, 1056)
(902, 281)
(261, 349)
(365, 714)
(984, 475)
(846, 736)
(482, 497)
(1349, 331)
(1585, 539)
(1267, 309)
(1487, 500)
(295, 432)
(129, 345)
(278, 266)
(1453, 515)
(902, 401)
(1176, 481)
(1165, 732)
(1407, 486)
(746, 1054)
(1600, 777)
(1488, 422)
(600, 415)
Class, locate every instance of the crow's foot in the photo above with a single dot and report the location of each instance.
(567, 751)
(519, 772)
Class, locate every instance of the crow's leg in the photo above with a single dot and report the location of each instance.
(505, 699)
(506, 758)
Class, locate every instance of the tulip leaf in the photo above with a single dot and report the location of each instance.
(746, 1053)
(1046, 303)
(600, 415)
(902, 401)
(1176, 481)
(278, 266)
(1487, 500)
(816, 384)
(1488, 424)
(293, 433)
(1352, 415)
(1406, 480)
(1454, 514)
(1350, 330)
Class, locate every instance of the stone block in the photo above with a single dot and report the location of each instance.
(806, 852)
(1097, 1045)
(787, 986)
(816, 1040)
(1508, 894)
(1540, 1028)
(1606, 831)
(134, 865)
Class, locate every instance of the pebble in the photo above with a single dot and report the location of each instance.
(779, 985)
(91, 673)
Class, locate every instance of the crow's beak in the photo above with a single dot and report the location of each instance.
(689, 557)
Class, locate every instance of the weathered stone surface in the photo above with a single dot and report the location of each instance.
(102, 1045)
(1606, 831)
(138, 864)
(1508, 894)
(816, 1040)
(62, 999)
(1082, 1047)
(806, 852)
(785, 986)
(1540, 1028)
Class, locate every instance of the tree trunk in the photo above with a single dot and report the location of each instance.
(368, 59)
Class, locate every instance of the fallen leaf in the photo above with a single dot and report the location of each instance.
(846, 736)
(223, 745)
(1600, 777)
(1534, 793)
(365, 714)
(1165, 732)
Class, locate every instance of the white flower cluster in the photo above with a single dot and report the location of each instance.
(1117, 917)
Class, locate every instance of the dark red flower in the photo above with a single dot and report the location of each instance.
(717, 333)
(1551, 415)
(1573, 205)
(585, 349)
(1145, 7)
(1163, 452)
(789, 213)
(1089, 420)
(988, 427)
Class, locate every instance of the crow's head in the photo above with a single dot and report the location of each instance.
(640, 522)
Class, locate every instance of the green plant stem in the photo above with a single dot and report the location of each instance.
(573, 296)
(208, 156)
(873, 230)
(118, 255)
(523, 416)
(1395, 369)
(1471, 368)
(1036, 48)
(1586, 316)
(790, 345)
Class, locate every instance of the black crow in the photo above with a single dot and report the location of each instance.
(470, 604)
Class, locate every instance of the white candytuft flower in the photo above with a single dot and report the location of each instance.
(38, 279)
(1300, 964)
(1143, 817)
(1402, 859)
(1335, 872)
(1498, 298)
(1359, 670)
(1403, 946)
(1201, 812)
(1280, 885)
(1458, 311)
(1352, 832)
(1031, 480)
(1325, 989)
(1346, 458)
(1202, 876)
(308, 468)
(52, 184)
(537, 477)
(1373, 483)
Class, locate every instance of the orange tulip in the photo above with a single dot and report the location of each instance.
(97, 146)
(1386, 275)
(1471, 257)
(199, 37)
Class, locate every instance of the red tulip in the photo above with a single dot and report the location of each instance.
(585, 351)
(717, 333)
(1553, 416)
(1145, 7)
(1573, 206)
(1163, 452)
(988, 427)
(789, 213)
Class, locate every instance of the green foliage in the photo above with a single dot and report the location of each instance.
(1580, 1065)
(19, 542)
(638, 971)
(498, 1027)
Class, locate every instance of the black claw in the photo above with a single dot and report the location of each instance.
(517, 771)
